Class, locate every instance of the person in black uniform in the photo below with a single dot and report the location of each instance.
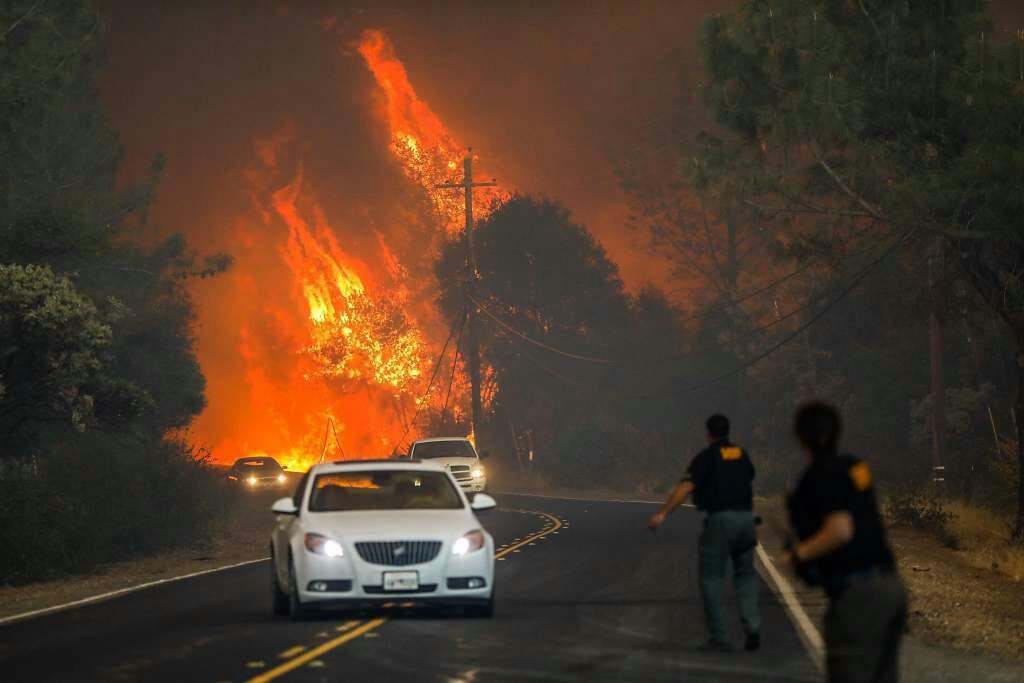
(842, 546)
(721, 480)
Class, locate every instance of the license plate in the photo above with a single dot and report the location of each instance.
(401, 581)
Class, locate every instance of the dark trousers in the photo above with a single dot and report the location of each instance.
(728, 535)
(863, 630)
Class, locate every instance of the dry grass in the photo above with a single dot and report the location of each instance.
(982, 537)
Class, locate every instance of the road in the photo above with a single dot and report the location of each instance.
(585, 593)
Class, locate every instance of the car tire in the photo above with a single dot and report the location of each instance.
(278, 598)
(296, 610)
(484, 611)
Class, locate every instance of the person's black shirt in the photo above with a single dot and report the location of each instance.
(722, 477)
(841, 483)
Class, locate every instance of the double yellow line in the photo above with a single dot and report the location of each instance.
(366, 627)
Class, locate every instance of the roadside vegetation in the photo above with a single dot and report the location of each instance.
(98, 373)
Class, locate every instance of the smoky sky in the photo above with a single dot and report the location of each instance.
(547, 93)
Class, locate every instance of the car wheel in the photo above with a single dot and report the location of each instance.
(296, 610)
(278, 598)
(484, 611)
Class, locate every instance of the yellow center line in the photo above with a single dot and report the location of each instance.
(368, 626)
(295, 663)
(556, 525)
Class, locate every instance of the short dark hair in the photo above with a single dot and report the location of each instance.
(818, 426)
(718, 426)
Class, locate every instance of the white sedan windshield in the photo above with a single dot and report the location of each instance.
(383, 490)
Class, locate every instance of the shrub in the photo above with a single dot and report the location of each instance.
(102, 499)
(923, 509)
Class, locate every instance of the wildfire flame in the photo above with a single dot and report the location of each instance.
(354, 336)
(339, 339)
(429, 154)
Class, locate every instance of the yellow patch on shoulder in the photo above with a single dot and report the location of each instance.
(860, 475)
(731, 452)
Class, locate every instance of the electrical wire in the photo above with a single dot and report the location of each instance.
(681, 356)
(790, 337)
(423, 398)
(852, 284)
(547, 347)
(557, 375)
(455, 363)
(732, 303)
(328, 428)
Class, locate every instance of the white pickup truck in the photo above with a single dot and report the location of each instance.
(458, 456)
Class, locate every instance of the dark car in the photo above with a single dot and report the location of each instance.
(258, 473)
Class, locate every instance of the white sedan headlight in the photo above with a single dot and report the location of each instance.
(321, 545)
(474, 540)
(478, 472)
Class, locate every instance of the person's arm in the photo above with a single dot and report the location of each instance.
(678, 496)
(836, 532)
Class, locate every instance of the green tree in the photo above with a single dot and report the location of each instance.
(53, 362)
(61, 207)
(560, 336)
(881, 124)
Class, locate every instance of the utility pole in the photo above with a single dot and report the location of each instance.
(473, 340)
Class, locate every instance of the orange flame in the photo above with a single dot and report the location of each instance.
(337, 337)
(429, 154)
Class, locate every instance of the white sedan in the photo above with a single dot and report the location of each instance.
(364, 533)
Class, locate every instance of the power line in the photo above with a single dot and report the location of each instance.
(681, 356)
(557, 375)
(328, 428)
(853, 284)
(423, 398)
(548, 347)
(790, 337)
(748, 296)
(455, 363)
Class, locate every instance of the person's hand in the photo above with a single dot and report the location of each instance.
(656, 520)
(788, 561)
(790, 558)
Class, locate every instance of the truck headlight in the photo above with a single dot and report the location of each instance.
(252, 481)
(321, 545)
(467, 543)
(478, 472)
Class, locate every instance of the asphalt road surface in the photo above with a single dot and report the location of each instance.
(585, 593)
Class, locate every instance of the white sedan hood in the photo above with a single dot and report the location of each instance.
(393, 524)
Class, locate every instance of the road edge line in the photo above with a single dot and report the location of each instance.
(805, 628)
(103, 597)
(808, 633)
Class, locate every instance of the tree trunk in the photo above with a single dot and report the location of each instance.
(1018, 531)
(936, 331)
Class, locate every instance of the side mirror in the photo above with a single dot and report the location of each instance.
(285, 506)
(482, 501)
(284, 467)
(484, 455)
